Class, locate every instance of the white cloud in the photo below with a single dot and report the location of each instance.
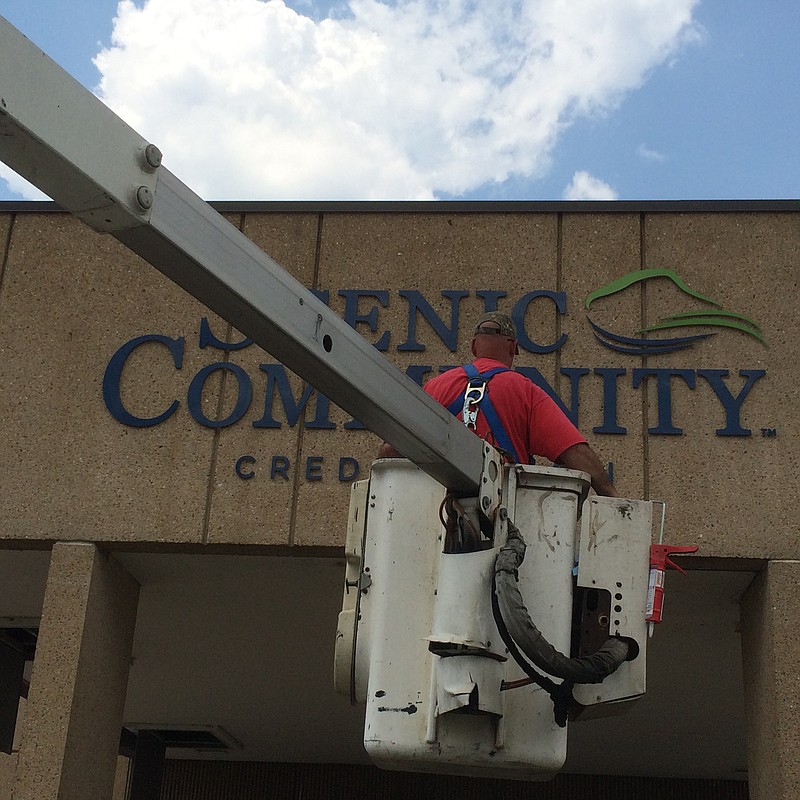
(18, 185)
(646, 153)
(586, 187)
(253, 99)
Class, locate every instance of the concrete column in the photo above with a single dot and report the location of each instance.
(771, 653)
(70, 731)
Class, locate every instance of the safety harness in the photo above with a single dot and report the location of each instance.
(475, 399)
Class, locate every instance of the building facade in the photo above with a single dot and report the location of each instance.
(174, 501)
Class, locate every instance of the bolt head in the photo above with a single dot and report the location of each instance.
(144, 197)
(153, 156)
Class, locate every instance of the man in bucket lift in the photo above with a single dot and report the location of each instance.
(508, 410)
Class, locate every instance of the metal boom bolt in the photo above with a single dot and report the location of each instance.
(61, 138)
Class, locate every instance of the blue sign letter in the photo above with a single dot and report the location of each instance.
(416, 302)
(664, 390)
(610, 424)
(352, 317)
(277, 378)
(731, 404)
(113, 374)
(244, 395)
(240, 462)
(518, 315)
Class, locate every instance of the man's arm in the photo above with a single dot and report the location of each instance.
(583, 458)
(580, 457)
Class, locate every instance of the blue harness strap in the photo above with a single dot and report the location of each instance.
(478, 380)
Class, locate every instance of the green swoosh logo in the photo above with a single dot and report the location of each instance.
(643, 275)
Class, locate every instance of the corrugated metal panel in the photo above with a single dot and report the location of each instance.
(231, 780)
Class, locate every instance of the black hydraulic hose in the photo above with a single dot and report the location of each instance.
(560, 693)
(529, 639)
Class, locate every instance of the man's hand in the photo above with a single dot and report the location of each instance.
(583, 458)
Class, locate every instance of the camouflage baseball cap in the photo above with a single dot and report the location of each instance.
(505, 322)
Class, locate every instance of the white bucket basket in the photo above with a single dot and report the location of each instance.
(418, 641)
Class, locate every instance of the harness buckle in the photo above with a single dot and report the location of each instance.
(472, 399)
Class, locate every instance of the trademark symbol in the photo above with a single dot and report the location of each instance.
(769, 433)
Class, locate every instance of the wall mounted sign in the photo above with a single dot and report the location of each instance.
(270, 396)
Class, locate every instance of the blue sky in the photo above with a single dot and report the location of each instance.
(420, 103)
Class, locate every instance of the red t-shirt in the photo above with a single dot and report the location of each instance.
(531, 418)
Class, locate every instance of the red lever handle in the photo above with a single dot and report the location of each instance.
(659, 561)
(660, 555)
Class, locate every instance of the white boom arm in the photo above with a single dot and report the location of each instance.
(62, 138)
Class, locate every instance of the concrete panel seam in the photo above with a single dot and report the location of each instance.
(6, 251)
(215, 439)
(644, 399)
(212, 467)
(317, 252)
(301, 425)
